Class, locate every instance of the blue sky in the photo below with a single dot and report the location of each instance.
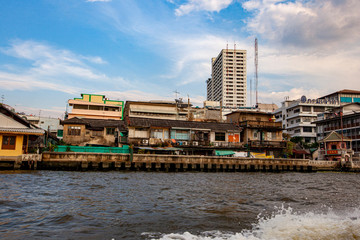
(53, 50)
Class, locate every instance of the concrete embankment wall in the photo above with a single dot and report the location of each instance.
(151, 162)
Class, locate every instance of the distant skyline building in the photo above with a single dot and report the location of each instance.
(228, 78)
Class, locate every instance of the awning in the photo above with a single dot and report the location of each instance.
(300, 151)
(161, 148)
(224, 152)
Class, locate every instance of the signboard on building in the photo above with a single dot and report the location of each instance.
(332, 152)
(303, 99)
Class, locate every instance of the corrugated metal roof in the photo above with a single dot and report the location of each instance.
(149, 122)
(22, 130)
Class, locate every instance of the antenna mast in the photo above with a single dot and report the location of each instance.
(256, 70)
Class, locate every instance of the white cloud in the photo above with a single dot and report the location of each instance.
(51, 68)
(55, 112)
(292, 94)
(303, 23)
(202, 5)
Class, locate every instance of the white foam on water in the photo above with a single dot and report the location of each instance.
(286, 224)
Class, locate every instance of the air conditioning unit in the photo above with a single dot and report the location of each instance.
(145, 141)
(195, 143)
(185, 143)
(216, 144)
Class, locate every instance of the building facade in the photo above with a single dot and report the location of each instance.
(260, 131)
(171, 110)
(297, 116)
(95, 107)
(150, 132)
(16, 134)
(100, 132)
(344, 96)
(228, 82)
(52, 125)
(345, 120)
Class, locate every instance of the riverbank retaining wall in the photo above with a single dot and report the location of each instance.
(152, 162)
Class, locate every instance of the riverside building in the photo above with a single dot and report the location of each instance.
(345, 120)
(95, 107)
(297, 116)
(228, 78)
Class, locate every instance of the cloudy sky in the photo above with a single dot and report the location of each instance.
(54, 50)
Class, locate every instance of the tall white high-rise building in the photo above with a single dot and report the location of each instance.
(228, 78)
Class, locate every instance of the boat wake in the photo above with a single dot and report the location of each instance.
(285, 223)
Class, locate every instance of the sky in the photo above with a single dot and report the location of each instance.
(54, 50)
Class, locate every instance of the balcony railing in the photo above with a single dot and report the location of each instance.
(334, 152)
(269, 144)
(260, 124)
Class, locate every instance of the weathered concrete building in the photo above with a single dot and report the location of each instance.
(85, 131)
(95, 107)
(344, 120)
(260, 131)
(147, 131)
(176, 110)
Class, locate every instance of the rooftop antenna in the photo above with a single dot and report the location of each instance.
(256, 70)
(176, 94)
(251, 90)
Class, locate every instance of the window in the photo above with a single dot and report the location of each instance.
(306, 109)
(8, 142)
(307, 129)
(273, 135)
(60, 133)
(74, 131)
(219, 136)
(319, 109)
(110, 131)
(156, 133)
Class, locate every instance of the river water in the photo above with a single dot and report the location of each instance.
(192, 205)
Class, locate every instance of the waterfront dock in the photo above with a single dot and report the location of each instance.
(167, 163)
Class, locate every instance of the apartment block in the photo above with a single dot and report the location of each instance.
(228, 78)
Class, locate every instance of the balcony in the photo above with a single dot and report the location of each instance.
(323, 154)
(261, 124)
(267, 144)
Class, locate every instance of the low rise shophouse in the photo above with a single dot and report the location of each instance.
(260, 131)
(184, 134)
(96, 132)
(16, 134)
